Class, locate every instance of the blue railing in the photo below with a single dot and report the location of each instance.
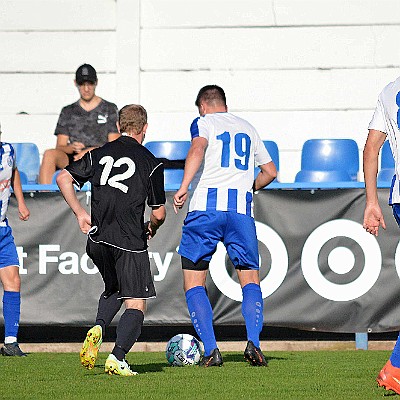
(271, 186)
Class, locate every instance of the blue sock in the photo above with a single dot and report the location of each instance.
(11, 312)
(201, 314)
(252, 311)
(395, 357)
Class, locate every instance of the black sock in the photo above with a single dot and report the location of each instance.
(128, 331)
(108, 308)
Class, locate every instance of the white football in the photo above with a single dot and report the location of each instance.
(183, 349)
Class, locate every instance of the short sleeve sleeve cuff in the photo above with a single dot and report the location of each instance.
(378, 119)
(199, 128)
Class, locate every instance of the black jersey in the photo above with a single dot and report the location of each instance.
(124, 175)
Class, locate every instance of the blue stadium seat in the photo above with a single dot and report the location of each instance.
(322, 176)
(331, 155)
(28, 160)
(386, 171)
(172, 178)
(387, 160)
(171, 150)
(53, 180)
(385, 175)
(273, 151)
(24, 178)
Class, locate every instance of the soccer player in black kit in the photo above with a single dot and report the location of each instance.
(124, 176)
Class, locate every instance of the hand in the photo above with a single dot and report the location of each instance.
(373, 219)
(77, 147)
(78, 156)
(148, 230)
(180, 198)
(84, 222)
(82, 153)
(23, 212)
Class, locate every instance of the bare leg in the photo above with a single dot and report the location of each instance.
(53, 159)
(193, 278)
(247, 276)
(10, 278)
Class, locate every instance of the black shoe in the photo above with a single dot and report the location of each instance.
(254, 355)
(213, 360)
(12, 349)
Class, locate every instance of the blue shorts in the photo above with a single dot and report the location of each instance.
(396, 212)
(8, 251)
(203, 230)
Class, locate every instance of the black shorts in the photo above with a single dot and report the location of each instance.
(125, 272)
(201, 265)
(71, 157)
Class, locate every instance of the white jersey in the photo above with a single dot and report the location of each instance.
(225, 179)
(7, 164)
(387, 119)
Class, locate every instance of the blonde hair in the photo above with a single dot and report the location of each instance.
(132, 117)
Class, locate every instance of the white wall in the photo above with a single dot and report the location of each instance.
(297, 69)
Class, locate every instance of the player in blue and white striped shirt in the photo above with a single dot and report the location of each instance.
(219, 167)
(9, 262)
(385, 124)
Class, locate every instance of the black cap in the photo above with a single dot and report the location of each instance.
(85, 73)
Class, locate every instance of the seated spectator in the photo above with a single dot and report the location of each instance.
(84, 125)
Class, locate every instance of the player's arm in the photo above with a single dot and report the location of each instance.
(156, 200)
(113, 132)
(81, 152)
(23, 210)
(266, 175)
(193, 162)
(373, 217)
(65, 183)
(157, 218)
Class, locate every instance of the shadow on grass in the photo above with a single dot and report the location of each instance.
(152, 367)
(234, 357)
(389, 394)
(140, 368)
(160, 367)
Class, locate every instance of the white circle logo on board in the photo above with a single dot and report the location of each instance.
(341, 260)
(275, 277)
(397, 259)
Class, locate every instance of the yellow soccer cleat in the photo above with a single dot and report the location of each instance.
(115, 367)
(91, 346)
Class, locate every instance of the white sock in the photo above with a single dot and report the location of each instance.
(10, 339)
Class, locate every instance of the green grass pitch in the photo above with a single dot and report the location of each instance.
(330, 375)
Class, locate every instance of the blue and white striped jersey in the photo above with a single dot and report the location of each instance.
(387, 119)
(225, 179)
(7, 164)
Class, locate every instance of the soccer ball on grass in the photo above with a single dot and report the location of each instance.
(183, 349)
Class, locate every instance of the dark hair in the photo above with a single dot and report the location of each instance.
(211, 94)
(132, 117)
